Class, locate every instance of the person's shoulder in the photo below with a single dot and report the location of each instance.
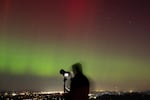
(84, 77)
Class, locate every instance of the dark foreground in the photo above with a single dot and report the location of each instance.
(59, 96)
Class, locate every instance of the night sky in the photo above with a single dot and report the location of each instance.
(109, 37)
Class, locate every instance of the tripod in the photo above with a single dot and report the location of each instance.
(65, 84)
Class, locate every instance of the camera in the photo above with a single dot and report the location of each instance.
(66, 74)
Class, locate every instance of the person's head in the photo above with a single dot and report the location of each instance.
(77, 68)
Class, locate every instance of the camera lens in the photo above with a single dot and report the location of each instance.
(66, 74)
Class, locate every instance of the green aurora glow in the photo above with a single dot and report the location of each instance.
(20, 58)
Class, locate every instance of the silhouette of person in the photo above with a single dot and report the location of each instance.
(79, 87)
